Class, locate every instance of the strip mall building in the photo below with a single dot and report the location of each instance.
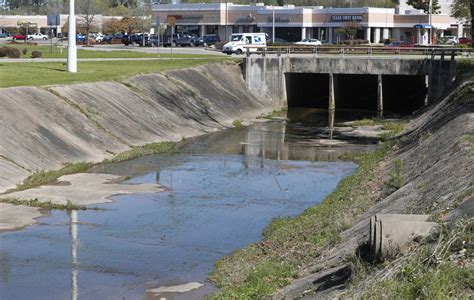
(294, 23)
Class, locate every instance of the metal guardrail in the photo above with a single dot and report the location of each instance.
(358, 51)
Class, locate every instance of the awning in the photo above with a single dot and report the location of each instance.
(427, 26)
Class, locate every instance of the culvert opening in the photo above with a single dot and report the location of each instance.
(402, 94)
(307, 90)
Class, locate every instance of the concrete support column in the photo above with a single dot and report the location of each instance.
(379, 96)
(385, 33)
(332, 104)
(368, 35)
(202, 30)
(303, 32)
(241, 29)
(428, 89)
(319, 34)
(377, 35)
(330, 38)
(251, 28)
(332, 96)
(419, 39)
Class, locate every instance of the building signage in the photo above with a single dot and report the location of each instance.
(279, 19)
(346, 18)
(245, 19)
(187, 17)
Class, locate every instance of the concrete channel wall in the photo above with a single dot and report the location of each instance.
(45, 127)
(265, 76)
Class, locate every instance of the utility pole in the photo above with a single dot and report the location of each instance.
(273, 24)
(430, 12)
(225, 38)
(71, 41)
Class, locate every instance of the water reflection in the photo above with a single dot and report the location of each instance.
(74, 244)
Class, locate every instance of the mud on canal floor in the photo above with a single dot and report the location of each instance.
(221, 190)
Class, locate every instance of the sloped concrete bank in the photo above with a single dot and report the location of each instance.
(436, 155)
(45, 127)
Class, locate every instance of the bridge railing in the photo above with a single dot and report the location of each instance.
(358, 51)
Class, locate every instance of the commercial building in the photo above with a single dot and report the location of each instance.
(294, 23)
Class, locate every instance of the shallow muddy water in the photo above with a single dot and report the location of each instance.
(222, 190)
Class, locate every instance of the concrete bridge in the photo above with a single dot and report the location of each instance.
(350, 82)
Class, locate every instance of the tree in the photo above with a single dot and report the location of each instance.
(349, 30)
(425, 5)
(88, 10)
(463, 10)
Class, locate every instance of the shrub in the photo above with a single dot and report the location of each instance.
(24, 51)
(9, 52)
(36, 54)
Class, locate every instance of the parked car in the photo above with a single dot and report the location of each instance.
(179, 39)
(451, 40)
(81, 38)
(465, 41)
(113, 37)
(399, 44)
(152, 41)
(208, 40)
(309, 42)
(37, 36)
(130, 39)
(5, 35)
(18, 36)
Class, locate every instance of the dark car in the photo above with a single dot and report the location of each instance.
(113, 37)
(209, 40)
(4, 35)
(179, 39)
(152, 41)
(130, 39)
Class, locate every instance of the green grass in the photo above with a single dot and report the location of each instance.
(46, 204)
(238, 124)
(293, 242)
(395, 176)
(46, 177)
(61, 52)
(39, 74)
(148, 149)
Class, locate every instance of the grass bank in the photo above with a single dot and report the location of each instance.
(289, 243)
(61, 52)
(48, 177)
(39, 74)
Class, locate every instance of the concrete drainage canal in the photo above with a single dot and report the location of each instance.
(221, 190)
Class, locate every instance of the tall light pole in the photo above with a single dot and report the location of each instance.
(225, 21)
(71, 41)
(273, 24)
(430, 12)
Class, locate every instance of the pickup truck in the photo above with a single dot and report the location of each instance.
(37, 36)
(179, 39)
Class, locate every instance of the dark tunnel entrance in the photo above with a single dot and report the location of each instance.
(402, 94)
(307, 90)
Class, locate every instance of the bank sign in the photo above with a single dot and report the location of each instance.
(346, 18)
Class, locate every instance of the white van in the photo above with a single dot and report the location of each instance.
(239, 42)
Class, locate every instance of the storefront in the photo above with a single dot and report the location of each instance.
(291, 23)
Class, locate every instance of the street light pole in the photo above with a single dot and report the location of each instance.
(225, 38)
(430, 12)
(273, 24)
(71, 41)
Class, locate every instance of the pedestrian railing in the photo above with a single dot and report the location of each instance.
(346, 51)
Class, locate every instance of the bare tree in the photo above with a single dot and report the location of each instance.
(88, 10)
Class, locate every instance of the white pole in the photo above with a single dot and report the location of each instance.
(273, 25)
(71, 44)
(430, 12)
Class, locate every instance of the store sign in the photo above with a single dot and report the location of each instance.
(279, 20)
(245, 19)
(346, 18)
(187, 17)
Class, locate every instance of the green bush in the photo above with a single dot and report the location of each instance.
(36, 54)
(9, 52)
(24, 51)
